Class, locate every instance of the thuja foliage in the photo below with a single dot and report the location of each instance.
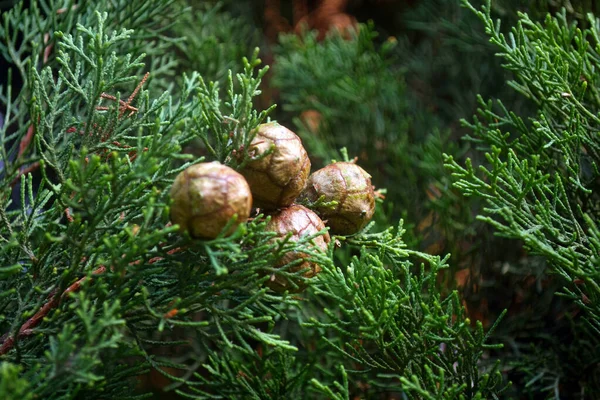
(97, 288)
(384, 307)
(215, 40)
(540, 182)
(349, 91)
(339, 78)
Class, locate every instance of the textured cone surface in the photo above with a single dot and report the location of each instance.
(206, 196)
(279, 177)
(300, 221)
(350, 186)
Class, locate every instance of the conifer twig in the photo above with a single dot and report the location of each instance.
(125, 105)
(8, 341)
(26, 329)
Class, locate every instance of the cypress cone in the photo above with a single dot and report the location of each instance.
(279, 177)
(299, 221)
(350, 186)
(206, 196)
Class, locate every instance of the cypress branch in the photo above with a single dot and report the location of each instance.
(101, 288)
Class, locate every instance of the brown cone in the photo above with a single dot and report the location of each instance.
(300, 221)
(350, 186)
(278, 178)
(205, 197)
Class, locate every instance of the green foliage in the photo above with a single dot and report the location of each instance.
(12, 385)
(29, 36)
(349, 82)
(225, 128)
(395, 330)
(349, 92)
(540, 180)
(447, 61)
(214, 41)
(28, 32)
(99, 210)
(98, 288)
(274, 374)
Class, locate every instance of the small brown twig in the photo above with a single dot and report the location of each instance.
(378, 194)
(125, 105)
(48, 48)
(65, 9)
(23, 145)
(157, 259)
(68, 215)
(138, 87)
(26, 328)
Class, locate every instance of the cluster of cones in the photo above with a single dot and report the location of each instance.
(207, 196)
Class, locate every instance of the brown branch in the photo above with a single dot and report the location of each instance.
(24, 171)
(25, 141)
(26, 328)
